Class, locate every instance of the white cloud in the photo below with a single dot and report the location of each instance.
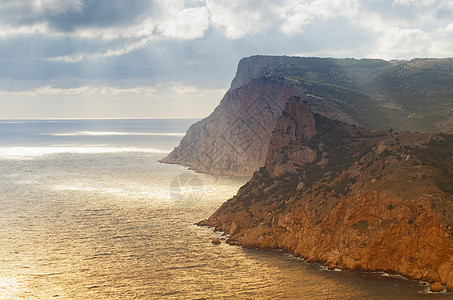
(441, 41)
(414, 2)
(239, 18)
(400, 43)
(297, 14)
(7, 30)
(420, 35)
(188, 23)
(119, 49)
(67, 58)
(172, 20)
(187, 20)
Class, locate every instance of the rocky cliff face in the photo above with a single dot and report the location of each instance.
(349, 197)
(375, 94)
(255, 67)
(233, 139)
(285, 152)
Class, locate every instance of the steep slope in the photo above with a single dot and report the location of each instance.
(403, 95)
(233, 140)
(349, 197)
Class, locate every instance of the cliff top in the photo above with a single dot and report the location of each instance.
(413, 95)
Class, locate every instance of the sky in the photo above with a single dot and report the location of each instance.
(176, 58)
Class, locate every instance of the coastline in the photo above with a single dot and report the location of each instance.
(323, 265)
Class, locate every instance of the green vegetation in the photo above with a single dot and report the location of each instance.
(439, 155)
(404, 95)
(343, 144)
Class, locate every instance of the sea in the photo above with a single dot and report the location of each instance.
(88, 212)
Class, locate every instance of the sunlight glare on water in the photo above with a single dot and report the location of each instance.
(33, 152)
(103, 133)
(101, 218)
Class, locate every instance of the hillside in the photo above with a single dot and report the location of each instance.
(349, 197)
(414, 95)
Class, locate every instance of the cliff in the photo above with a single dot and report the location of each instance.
(233, 139)
(402, 95)
(349, 197)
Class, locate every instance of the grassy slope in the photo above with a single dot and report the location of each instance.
(403, 95)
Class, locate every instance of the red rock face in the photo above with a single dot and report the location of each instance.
(359, 233)
(358, 219)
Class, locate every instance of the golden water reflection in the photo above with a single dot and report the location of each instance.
(72, 230)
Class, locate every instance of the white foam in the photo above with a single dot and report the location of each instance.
(116, 133)
(35, 152)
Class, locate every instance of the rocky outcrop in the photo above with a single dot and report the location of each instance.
(349, 198)
(233, 140)
(255, 67)
(216, 241)
(436, 287)
(297, 125)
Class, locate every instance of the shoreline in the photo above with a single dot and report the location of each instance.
(225, 238)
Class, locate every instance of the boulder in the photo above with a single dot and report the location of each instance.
(436, 287)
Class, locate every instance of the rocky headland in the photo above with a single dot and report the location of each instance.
(338, 173)
(349, 198)
(402, 95)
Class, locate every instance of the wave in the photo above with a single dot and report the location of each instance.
(34, 152)
(106, 133)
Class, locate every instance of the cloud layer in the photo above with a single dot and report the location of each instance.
(139, 43)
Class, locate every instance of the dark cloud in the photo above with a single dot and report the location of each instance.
(67, 16)
(112, 13)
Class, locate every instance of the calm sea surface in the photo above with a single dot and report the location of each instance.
(87, 212)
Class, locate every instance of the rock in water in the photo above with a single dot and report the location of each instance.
(216, 241)
(331, 267)
(436, 287)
